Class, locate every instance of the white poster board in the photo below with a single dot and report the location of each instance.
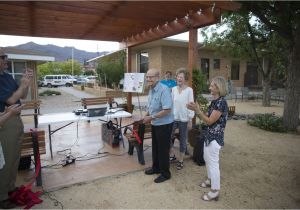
(134, 82)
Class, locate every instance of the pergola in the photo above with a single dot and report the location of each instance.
(128, 22)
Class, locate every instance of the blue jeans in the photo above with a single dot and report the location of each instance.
(183, 132)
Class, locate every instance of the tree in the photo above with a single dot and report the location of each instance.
(283, 18)
(59, 68)
(246, 38)
(112, 68)
(276, 36)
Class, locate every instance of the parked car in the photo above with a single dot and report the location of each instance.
(58, 80)
(81, 80)
(91, 78)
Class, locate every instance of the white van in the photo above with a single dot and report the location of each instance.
(58, 80)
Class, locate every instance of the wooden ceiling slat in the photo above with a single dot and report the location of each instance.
(103, 20)
(73, 7)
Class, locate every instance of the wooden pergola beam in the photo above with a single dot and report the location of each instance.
(207, 17)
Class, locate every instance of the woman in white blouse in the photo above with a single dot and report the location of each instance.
(181, 96)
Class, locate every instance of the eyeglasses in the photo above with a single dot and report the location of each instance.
(150, 77)
(3, 57)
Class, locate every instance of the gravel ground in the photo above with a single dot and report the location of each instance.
(259, 169)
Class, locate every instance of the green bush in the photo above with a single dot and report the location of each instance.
(49, 93)
(200, 86)
(268, 122)
(251, 98)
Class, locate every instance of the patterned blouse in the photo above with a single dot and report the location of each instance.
(216, 130)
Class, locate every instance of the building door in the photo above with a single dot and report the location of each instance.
(251, 75)
(205, 67)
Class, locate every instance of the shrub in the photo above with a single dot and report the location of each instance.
(268, 122)
(251, 98)
(49, 93)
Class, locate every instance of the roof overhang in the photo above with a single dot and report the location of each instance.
(29, 57)
(128, 22)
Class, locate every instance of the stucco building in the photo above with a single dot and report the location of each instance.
(170, 54)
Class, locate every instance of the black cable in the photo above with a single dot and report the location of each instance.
(56, 202)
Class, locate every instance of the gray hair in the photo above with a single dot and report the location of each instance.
(184, 72)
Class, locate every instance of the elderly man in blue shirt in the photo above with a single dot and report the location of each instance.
(161, 117)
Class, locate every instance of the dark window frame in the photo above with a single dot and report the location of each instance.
(235, 70)
(144, 62)
(217, 63)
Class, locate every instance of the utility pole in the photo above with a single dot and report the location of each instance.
(72, 61)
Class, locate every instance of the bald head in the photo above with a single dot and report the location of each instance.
(153, 72)
(152, 77)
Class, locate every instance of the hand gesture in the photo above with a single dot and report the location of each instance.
(147, 119)
(194, 106)
(14, 109)
(26, 78)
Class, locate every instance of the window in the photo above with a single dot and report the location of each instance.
(144, 62)
(16, 69)
(205, 67)
(235, 70)
(217, 63)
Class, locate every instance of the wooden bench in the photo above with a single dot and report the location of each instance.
(35, 106)
(115, 94)
(30, 146)
(144, 132)
(85, 102)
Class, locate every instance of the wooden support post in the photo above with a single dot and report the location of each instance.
(128, 66)
(193, 53)
(193, 57)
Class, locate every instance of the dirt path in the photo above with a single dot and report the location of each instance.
(259, 169)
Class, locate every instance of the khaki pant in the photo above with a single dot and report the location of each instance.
(11, 136)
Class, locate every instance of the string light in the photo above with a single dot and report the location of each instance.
(187, 16)
(213, 7)
(199, 12)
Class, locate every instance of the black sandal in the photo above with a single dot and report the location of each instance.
(179, 165)
(172, 158)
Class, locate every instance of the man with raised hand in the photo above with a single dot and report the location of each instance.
(12, 130)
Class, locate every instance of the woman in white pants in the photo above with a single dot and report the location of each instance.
(215, 119)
